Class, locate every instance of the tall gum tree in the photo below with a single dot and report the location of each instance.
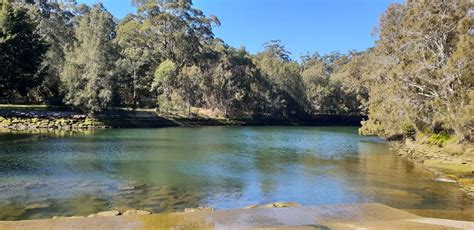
(21, 51)
(416, 70)
(90, 63)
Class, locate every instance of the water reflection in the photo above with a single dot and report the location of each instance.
(164, 170)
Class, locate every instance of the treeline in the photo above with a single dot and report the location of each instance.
(418, 78)
(165, 55)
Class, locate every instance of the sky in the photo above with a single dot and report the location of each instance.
(303, 26)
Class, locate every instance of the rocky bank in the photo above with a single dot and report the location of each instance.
(19, 121)
(452, 163)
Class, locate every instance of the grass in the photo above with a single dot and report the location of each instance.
(439, 139)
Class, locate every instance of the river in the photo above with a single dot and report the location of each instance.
(169, 169)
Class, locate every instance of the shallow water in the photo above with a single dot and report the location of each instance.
(169, 169)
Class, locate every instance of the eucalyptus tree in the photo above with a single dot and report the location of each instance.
(21, 51)
(171, 31)
(316, 77)
(418, 68)
(56, 21)
(350, 78)
(139, 55)
(276, 66)
(227, 83)
(90, 62)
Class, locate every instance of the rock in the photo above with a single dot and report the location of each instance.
(79, 117)
(37, 206)
(126, 188)
(136, 212)
(444, 180)
(132, 186)
(199, 209)
(109, 213)
(276, 205)
(70, 217)
(284, 205)
(92, 215)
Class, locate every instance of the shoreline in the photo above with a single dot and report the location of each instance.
(366, 216)
(449, 165)
(18, 120)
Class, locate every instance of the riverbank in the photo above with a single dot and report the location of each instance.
(24, 119)
(366, 216)
(452, 163)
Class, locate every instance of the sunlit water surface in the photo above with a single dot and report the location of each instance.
(170, 169)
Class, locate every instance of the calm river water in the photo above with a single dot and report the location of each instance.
(169, 169)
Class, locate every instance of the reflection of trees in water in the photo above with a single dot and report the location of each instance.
(269, 162)
(386, 178)
(26, 153)
(167, 170)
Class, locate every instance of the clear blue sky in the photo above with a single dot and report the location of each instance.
(302, 25)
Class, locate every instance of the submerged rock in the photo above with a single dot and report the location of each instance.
(198, 209)
(132, 186)
(66, 217)
(285, 204)
(37, 206)
(276, 205)
(108, 213)
(136, 212)
(444, 180)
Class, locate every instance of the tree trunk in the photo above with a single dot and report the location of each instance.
(135, 102)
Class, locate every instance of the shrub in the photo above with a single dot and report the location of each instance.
(439, 139)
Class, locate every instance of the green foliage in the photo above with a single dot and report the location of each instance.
(55, 25)
(421, 72)
(21, 51)
(439, 139)
(136, 63)
(409, 132)
(90, 63)
(284, 79)
(416, 81)
(165, 72)
(165, 80)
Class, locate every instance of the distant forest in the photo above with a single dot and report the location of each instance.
(417, 79)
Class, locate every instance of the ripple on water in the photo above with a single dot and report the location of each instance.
(170, 169)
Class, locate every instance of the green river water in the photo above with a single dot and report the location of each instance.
(169, 169)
